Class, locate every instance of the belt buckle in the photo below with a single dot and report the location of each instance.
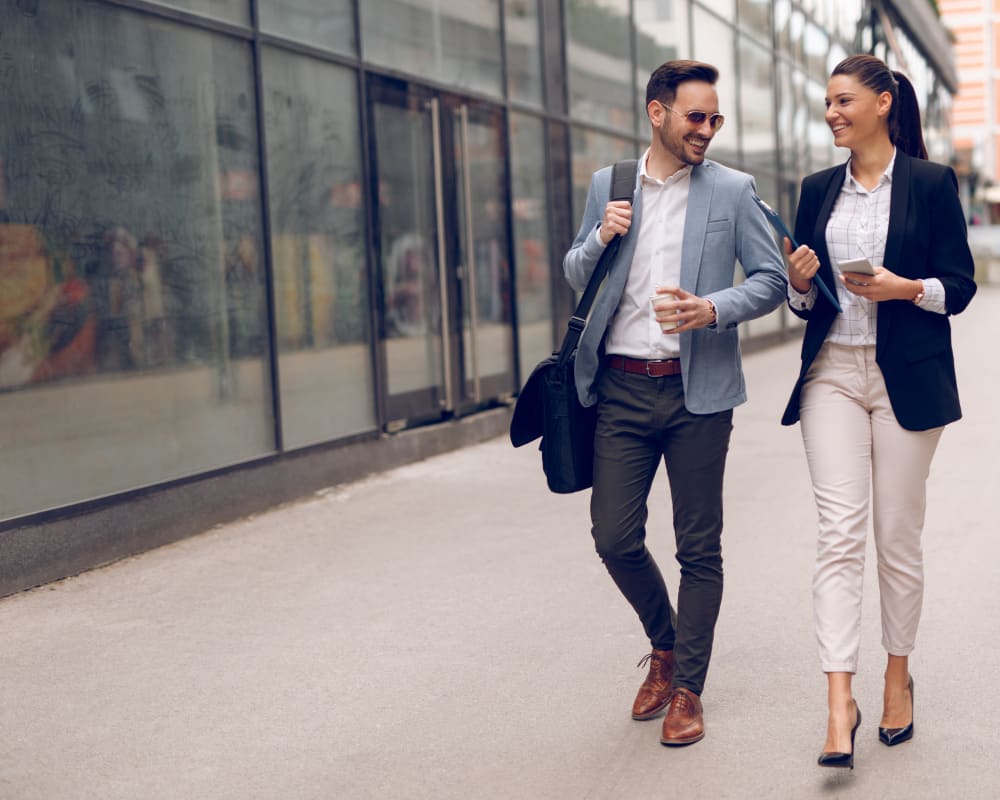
(648, 362)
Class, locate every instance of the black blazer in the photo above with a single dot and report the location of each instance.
(926, 239)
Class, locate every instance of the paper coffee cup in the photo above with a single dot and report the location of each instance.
(664, 326)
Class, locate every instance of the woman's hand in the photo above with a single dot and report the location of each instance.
(883, 285)
(802, 265)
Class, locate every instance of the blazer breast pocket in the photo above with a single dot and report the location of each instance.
(715, 225)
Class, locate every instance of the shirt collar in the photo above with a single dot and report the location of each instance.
(646, 178)
(851, 184)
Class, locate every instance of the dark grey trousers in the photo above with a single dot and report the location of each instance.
(639, 421)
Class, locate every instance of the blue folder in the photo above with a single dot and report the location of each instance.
(779, 225)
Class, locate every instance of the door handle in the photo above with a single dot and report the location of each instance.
(449, 391)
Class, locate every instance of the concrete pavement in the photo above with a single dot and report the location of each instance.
(445, 630)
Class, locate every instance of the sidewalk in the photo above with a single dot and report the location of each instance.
(445, 630)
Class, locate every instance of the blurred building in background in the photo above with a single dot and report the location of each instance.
(251, 248)
(974, 26)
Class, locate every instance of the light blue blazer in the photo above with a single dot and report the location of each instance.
(723, 225)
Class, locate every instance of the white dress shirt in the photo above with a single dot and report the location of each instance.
(634, 330)
(857, 228)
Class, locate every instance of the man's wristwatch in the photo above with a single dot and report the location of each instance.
(715, 314)
(920, 295)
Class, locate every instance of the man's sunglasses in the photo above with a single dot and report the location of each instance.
(697, 118)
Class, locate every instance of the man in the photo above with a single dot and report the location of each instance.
(670, 393)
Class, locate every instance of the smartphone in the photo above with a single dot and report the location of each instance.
(862, 265)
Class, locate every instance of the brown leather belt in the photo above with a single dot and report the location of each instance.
(658, 368)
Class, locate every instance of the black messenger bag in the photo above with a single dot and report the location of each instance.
(548, 405)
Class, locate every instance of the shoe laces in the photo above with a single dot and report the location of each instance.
(645, 660)
(680, 702)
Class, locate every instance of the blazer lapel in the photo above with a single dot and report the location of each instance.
(898, 208)
(696, 223)
(819, 233)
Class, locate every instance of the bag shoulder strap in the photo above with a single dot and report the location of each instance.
(623, 177)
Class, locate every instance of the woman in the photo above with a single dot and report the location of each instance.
(877, 382)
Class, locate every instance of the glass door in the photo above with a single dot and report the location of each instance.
(442, 223)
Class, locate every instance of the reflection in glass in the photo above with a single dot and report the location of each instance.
(524, 51)
(453, 41)
(408, 255)
(782, 26)
(480, 197)
(801, 114)
(821, 149)
(816, 44)
(755, 18)
(132, 304)
(757, 127)
(599, 62)
(531, 238)
(661, 34)
(713, 43)
(724, 8)
(237, 11)
(318, 249)
(324, 23)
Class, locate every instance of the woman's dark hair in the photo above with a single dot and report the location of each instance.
(904, 116)
(663, 83)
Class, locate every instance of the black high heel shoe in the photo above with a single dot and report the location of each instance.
(890, 737)
(842, 760)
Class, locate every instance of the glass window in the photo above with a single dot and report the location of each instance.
(835, 56)
(237, 11)
(318, 249)
(661, 34)
(793, 115)
(724, 8)
(820, 139)
(816, 44)
(524, 51)
(757, 121)
(713, 43)
(591, 151)
(782, 26)
(600, 63)
(802, 113)
(453, 41)
(133, 344)
(531, 240)
(851, 18)
(324, 23)
(796, 37)
(755, 18)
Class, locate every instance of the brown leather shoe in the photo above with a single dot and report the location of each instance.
(683, 723)
(654, 694)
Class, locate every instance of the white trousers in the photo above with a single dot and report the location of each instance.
(858, 451)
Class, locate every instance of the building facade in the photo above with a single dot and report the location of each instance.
(250, 248)
(975, 28)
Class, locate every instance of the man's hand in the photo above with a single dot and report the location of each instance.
(688, 312)
(617, 219)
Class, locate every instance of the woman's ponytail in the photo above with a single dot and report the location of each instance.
(904, 119)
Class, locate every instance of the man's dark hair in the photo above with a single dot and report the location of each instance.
(667, 77)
